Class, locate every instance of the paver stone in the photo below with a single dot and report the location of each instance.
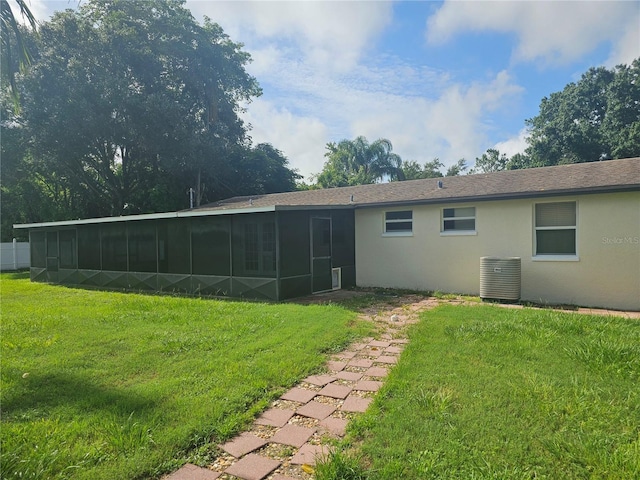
(377, 372)
(346, 355)
(275, 417)
(351, 376)
(243, 444)
(292, 435)
(316, 410)
(336, 366)
(335, 391)
(252, 467)
(368, 386)
(361, 362)
(387, 359)
(301, 395)
(309, 454)
(320, 380)
(396, 350)
(354, 403)
(193, 472)
(335, 426)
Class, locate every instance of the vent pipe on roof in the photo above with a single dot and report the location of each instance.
(250, 201)
(439, 183)
(351, 199)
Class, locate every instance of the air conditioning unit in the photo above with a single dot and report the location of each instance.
(500, 278)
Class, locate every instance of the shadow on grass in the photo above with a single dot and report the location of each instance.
(17, 275)
(44, 392)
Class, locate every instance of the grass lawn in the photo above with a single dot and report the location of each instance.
(491, 393)
(103, 385)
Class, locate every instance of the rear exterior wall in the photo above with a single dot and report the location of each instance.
(603, 272)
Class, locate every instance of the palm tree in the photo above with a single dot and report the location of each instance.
(358, 162)
(371, 162)
(8, 28)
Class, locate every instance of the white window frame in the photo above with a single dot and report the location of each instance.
(453, 233)
(397, 233)
(554, 257)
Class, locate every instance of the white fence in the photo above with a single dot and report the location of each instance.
(14, 256)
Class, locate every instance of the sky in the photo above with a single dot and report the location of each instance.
(444, 80)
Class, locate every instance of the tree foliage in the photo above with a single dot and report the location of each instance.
(127, 105)
(412, 170)
(596, 118)
(358, 162)
(14, 54)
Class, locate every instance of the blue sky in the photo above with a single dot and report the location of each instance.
(439, 79)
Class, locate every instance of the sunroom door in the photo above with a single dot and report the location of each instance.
(320, 254)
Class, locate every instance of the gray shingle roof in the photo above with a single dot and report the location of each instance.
(594, 177)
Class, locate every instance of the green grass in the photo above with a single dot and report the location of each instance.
(484, 392)
(123, 386)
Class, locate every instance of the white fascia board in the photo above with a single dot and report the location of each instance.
(229, 211)
(146, 216)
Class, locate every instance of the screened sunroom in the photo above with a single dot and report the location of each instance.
(266, 253)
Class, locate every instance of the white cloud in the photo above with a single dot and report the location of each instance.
(301, 139)
(327, 33)
(554, 32)
(627, 48)
(513, 145)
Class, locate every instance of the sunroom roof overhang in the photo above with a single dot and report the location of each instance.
(179, 214)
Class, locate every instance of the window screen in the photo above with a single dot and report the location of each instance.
(68, 255)
(38, 249)
(114, 247)
(555, 225)
(89, 247)
(398, 221)
(210, 243)
(459, 219)
(254, 252)
(142, 247)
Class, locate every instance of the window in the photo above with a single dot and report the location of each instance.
(555, 228)
(398, 222)
(461, 219)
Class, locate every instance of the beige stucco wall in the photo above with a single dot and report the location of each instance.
(606, 272)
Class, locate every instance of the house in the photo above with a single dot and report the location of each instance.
(575, 228)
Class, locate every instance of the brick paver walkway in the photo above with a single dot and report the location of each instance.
(288, 438)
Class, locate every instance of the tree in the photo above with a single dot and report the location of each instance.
(358, 162)
(596, 118)
(11, 36)
(129, 104)
(457, 168)
(269, 172)
(412, 170)
(491, 161)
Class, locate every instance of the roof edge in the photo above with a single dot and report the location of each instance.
(508, 196)
(144, 216)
